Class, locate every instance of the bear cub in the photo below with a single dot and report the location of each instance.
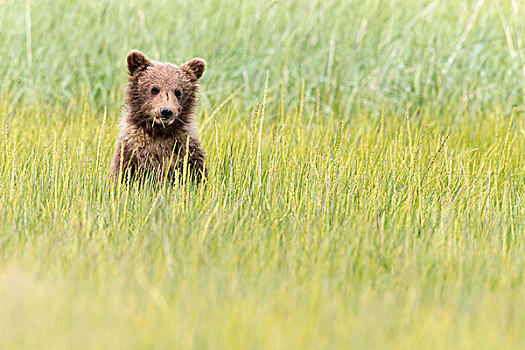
(158, 129)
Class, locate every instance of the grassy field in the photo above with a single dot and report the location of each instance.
(367, 177)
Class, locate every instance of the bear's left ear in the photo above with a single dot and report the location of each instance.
(197, 66)
(137, 62)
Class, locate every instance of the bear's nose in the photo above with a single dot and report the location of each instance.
(166, 112)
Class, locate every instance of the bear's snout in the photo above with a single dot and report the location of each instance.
(166, 111)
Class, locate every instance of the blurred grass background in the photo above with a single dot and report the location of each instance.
(369, 195)
(445, 55)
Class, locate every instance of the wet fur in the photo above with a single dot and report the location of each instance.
(147, 145)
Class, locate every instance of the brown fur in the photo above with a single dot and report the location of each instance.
(147, 144)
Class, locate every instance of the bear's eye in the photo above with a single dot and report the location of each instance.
(178, 93)
(155, 90)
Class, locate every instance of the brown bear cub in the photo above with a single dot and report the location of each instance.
(158, 130)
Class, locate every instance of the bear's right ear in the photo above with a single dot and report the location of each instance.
(137, 62)
(197, 66)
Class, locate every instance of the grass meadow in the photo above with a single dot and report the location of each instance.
(366, 189)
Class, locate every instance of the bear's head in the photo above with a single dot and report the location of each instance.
(161, 95)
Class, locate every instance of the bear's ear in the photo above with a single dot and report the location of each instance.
(137, 62)
(197, 66)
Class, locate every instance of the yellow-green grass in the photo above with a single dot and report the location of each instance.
(373, 202)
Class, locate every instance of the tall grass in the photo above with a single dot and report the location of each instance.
(366, 178)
